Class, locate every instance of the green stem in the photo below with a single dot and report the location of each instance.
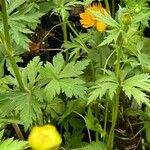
(8, 47)
(115, 109)
(18, 131)
(96, 133)
(5, 24)
(85, 47)
(64, 29)
(110, 142)
(107, 5)
(105, 120)
(85, 122)
(7, 44)
(117, 67)
(107, 60)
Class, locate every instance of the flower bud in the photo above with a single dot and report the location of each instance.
(126, 19)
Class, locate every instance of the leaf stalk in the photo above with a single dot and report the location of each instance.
(8, 47)
(9, 51)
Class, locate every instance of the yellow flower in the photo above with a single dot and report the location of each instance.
(44, 138)
(89, 20)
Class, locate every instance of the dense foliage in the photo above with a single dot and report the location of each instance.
(98, 81)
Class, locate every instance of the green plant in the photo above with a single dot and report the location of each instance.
(122, 78)
(25, 14)
(11, 144)
(87, 88)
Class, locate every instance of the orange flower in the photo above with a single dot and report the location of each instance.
(89, 20)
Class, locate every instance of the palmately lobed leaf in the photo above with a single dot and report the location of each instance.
(11, 144)
(73, 69)
(141, 81)
(73, 87)
(137, 86)
(25, 105)
(23, 17)
(107, 83)
(64, 78)
(29, 109)
(8, 101)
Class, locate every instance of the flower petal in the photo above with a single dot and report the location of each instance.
(100, 26)
(44, 138)
(87, 19)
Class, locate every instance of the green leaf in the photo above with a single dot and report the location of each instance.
(141, 16)
(112, 37)
(73, 69)
(77, 105)
(56, 108)
(63, 7)
(136, 87)
(58, 63)
(76, 45)
(108, 83)
(14, 4)
(73, 87)
(23, 17)
(8, 120)
(90, 120)
(51, 89)
(10, 144)
(92, 123)
(29, 110)
(48, 71)
(30, 73)
(133, 43)
(74, 140)
(45, 7)
(64, 78)
(86, 3)
(106, 18)
(16, 35)
(8, 101)
(24, 104)
(144, 61)
(146, 45)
